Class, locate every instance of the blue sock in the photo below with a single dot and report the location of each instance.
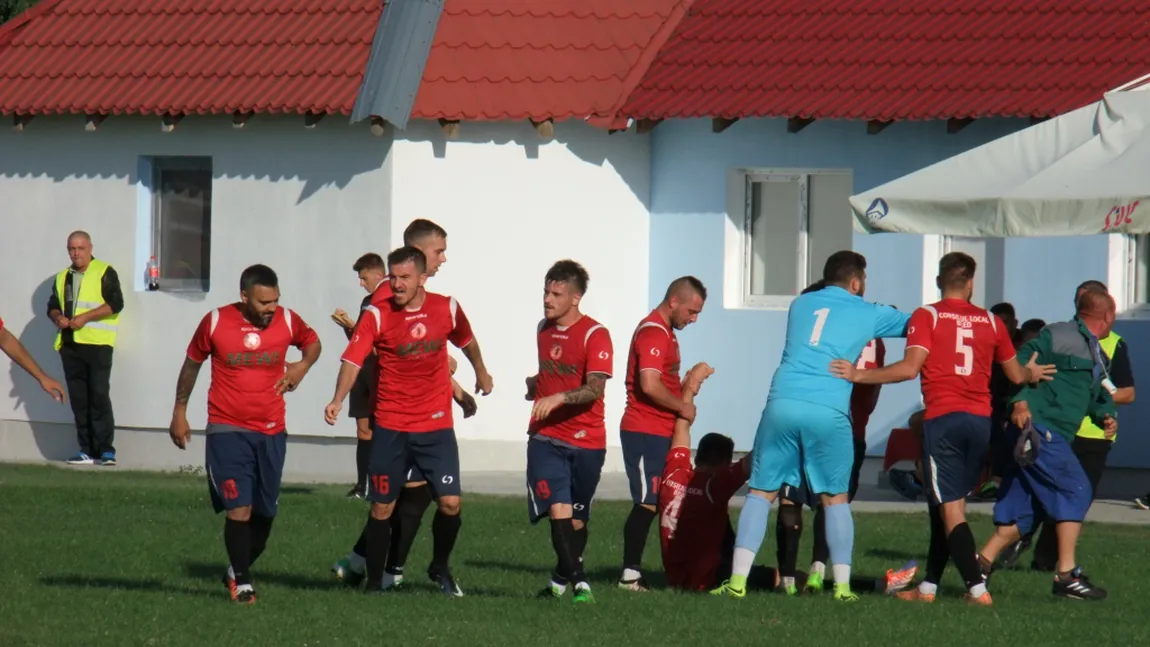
(749, 537)
(840, 538)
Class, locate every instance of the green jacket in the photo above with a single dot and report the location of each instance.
(1076, 390)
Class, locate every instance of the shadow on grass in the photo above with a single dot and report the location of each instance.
(896, 555)
(123, 583)
(213, 573)
(655, 579)
(296, 489)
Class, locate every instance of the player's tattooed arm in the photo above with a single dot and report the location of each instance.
(591, 390)
(186, 383)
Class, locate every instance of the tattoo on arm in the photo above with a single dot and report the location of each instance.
(187, 381)
(591, 391)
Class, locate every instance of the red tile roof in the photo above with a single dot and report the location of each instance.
(893, 59)
(490, 60)
(181, 56)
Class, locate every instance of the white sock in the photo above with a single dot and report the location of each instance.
(582, 586)
(630, 575)
(231, 573)
(788, 582)
(358, 563)
(240, 588)
(820, 568)
(742, 562)
(562, 588)
(842, 573)
(926, 588)
(977, 590)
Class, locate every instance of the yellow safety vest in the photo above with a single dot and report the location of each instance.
(89, 297)
(1088, 429)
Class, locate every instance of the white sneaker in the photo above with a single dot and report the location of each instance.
(81, 459)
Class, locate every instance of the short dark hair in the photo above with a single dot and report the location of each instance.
(1003, 309)
(369, 261)
(1032, 325)
(685, 283)
(843, 266)
(421, 228)
(955, 269)
(814, 287)
(1092, 284)
(569, 272)
(408, 254)
(254, 275)
(714, 450)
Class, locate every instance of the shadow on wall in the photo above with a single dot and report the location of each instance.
(270, 148)
(591, 145)
(51, 422)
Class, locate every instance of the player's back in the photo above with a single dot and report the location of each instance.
(823, 326)
(963, 341)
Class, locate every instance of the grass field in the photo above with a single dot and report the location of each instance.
(103, 558)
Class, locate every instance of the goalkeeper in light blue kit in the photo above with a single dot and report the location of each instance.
(805, 429)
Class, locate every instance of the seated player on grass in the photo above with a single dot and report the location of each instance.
(695, 531)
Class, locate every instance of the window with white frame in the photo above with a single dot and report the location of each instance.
(182, 222)
(784, 224)
(1137, 273)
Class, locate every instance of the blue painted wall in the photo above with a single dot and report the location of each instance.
(688, 212)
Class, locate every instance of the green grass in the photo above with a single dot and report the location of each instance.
(95, 557)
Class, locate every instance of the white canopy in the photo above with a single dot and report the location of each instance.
(1081, 173)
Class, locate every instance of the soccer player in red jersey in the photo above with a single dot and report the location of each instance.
(653, 405)
(246, 440)
(413, 415)
(568, 436)
(415, 498)
(953, 344)
(17, 353)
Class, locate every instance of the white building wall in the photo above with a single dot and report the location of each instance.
(307, 203)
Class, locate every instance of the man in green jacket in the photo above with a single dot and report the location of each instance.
(1048, 481)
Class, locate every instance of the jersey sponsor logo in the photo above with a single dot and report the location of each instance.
(655, 352)
(418, 331)
(579, 506)
(555, 367)
(604, 354)
(253, 359)
(420, 347)
(448, 480)
(964, 321)
(251, 341)
(556, 351)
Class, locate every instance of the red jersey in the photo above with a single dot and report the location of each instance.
(566, 356)
(1, 323)
(654, 347)
(414, 388)
(964, 342)
(864, 397)
(247, 361)
(694, 523)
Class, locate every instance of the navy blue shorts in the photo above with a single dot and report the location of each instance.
(396, 456)
(953, 453)
(559, 474)
(802, 495)
(644, 456)
(1055, 487)
(244, 468)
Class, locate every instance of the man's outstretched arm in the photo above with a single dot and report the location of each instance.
(20, 355)
(681, 437)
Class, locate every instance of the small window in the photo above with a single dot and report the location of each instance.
(182, 222)
(1137, 272)
(786, 223)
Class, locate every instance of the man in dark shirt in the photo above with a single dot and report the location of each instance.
(999, 403)
(85, 307)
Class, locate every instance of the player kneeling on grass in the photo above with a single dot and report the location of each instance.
(246, 440)
(568, 434)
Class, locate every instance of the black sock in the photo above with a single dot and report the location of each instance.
(1046, 547)
(360, 547)
(444, 532)
(378, 536)
(362, 455)
(238, 541)
(965, 554)
(939, 552)
(413, 502)
(788, 531)
(820, 552)
(580, 543)
(261, 529)
(563, 540)
(635, 532)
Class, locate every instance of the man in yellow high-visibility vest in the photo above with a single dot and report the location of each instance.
(85, 307)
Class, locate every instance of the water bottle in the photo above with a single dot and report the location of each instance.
(153, 275)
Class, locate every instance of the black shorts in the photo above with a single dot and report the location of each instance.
(244, 468)
(954, 451)
(560, 474)
(361, 401)
(644, 456)
(435, 454)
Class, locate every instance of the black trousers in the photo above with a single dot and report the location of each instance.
(1091, 453)
(88, 373)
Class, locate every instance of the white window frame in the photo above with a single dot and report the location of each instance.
(738, 243)
(1122, 274)
(159, 164)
